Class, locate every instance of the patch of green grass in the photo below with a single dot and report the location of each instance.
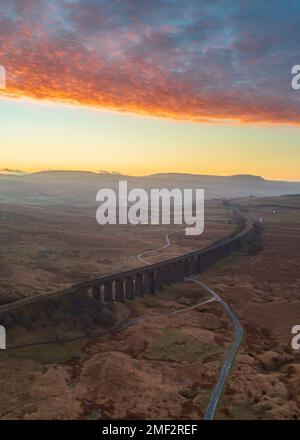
(175, 346)
(49, 353)
(202, 398)
(239, 412)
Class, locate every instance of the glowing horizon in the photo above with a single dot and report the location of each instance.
(74, 138)
(142, 87)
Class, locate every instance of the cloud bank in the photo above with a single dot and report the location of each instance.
(199, 60)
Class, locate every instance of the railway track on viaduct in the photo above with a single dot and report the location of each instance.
(126, 285)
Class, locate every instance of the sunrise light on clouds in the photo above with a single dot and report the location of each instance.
(214, 80)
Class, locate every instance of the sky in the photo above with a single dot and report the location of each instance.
(145, 86)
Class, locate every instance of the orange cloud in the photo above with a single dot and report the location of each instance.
(87, 53)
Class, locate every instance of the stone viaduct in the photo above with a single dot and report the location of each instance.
(127, 285)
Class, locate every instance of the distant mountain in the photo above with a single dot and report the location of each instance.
(80, 187)
(247, 178)
(10, 172)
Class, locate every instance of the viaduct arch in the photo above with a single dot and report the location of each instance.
(125, 286)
